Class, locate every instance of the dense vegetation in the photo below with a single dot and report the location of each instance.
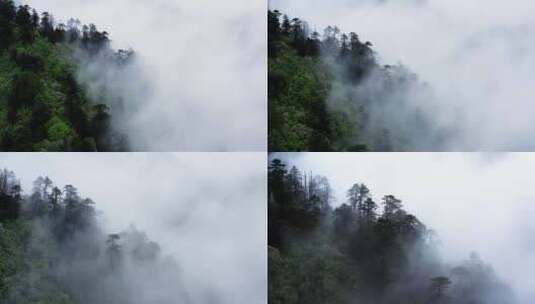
(53, 251)
(43, 105)
(356, 253)
(329, 93)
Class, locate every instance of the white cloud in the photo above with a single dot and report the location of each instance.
(204, 62)
(479, 57)
(208, 210)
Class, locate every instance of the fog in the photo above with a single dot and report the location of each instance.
(477, 56)
(474, 202)
(207, 211)
(199, 66)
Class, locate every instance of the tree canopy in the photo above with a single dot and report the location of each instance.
(54, 250)
(328, 92)
(361, 251)
(43, 104)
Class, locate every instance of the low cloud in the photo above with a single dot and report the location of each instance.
(474, 202)
(477, 57)
(199, 67)
(205, 210)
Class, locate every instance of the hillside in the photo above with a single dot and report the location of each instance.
(54, 250)
(362, 251)
(329, 92)
(44, 105)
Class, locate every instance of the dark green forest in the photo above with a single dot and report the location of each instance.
(54, 251)
(43, 105)
(329, 92)
(362, 251)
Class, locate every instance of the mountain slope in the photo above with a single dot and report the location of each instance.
(43, 105)
(53, 250)
(362, 251)
(330, 93)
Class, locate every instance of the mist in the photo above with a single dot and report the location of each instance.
(206, 215)
(476, 57)
(198, 66)
(479, 203)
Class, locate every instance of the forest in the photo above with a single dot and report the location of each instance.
(44, 104)
(53, 250)
(329, 92)
(362, 251)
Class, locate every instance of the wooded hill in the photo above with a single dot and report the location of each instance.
(43, 104)
(363, 251)
(329, 92)
(53, 250)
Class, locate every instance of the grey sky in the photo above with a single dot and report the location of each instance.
(475, 202)
(205, 64)
(208, 210)
(478, 56)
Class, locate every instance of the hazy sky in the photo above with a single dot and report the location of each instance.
(205, 64)
(478, 56)
(208, 210)
(475, 202)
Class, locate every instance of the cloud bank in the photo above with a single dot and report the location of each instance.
(474, 202)
(477, 56)
(206, 210)
(200, 66)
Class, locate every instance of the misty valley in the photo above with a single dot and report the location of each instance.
(54, 250)
(361, 251)
(328, 92)
(56, 84)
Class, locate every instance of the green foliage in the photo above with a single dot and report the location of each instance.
(297, 87)
(58, 129)
(13, 237)
(38, 75)
(330, 93)
(52, 250)
(355, 254)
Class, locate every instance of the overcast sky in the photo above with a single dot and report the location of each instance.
(478, 56)
(475, 202)
(208, 210)
(203, 61)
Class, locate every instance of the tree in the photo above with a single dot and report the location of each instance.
(391, 205)
(330, 40)
(41, 114)
(7, 16)
(73, 30)
(35, 18)
(344, 47)
(101, 125)
(277, 171)
(298, 35)
(55, 199)
(10, 195)
(39, 200)
(47, 26)
(356, 196)
(274, 31)
(7, 181)
(114, 250)
(8, 10)
(285, 26)
(354, 43)
(438, 287)
(368, 210)
(319, 187)
(295, 181)
(25, 88)
(345, 221)
(23, 19)
(313, 45)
